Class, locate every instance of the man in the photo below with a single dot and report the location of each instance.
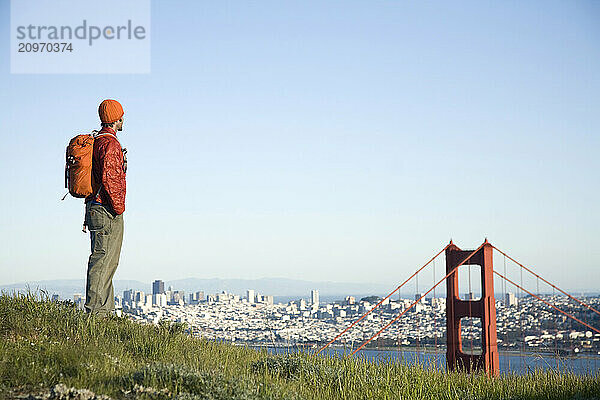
(104, 210)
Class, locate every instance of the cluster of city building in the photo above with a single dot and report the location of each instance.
(137, 299)
(522, 322)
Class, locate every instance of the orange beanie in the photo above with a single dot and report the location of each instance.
(110, 111)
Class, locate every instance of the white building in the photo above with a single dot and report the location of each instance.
(159, 300)
(250, 296)
(510, 300)
(314, 297)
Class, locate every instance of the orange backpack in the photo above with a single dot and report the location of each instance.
(78, 168)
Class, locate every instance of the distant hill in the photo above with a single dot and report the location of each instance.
(281, 288)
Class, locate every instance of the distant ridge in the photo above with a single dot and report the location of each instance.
(279, 287)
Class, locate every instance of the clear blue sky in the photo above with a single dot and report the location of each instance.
(323, 140)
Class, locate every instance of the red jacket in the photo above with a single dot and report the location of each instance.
(108, 169)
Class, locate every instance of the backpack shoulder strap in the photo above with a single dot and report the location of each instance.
(96, 136)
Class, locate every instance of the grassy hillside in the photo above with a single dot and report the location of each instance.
(44, 343)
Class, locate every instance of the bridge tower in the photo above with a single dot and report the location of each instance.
(484, 308)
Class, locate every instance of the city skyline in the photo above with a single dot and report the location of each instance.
(524, 323)
(521, 322)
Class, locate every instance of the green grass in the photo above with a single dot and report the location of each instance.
(44, 343)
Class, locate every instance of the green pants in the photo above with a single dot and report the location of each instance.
(106, 234)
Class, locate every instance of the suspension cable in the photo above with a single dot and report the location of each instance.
(504, 283)
(417, 300)
(382, 300)
(544, 280)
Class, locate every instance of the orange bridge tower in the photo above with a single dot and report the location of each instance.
(484, 308)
